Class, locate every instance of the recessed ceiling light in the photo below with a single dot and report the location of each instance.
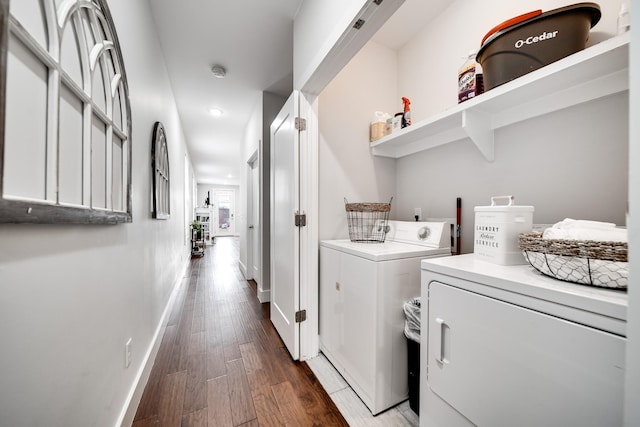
(215, 111)
(229, 176)
(218, 71)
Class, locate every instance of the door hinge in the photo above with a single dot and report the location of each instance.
(300, 219)
(301, 124)
(301, 316)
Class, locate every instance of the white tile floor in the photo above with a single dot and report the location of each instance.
(350, 405)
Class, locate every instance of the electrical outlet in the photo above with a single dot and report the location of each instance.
(127, 353)
(417, 212)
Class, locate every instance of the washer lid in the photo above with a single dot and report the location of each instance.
(387, 251)
(405, 239)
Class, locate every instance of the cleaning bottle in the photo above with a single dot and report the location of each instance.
(469, 76)
(406, 115)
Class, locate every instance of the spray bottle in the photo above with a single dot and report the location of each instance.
(406, 115)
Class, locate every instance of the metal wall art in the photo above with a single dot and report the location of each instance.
(65, 118)
(161, 176)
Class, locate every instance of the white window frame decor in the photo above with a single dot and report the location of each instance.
(161, 175)
(81, 168)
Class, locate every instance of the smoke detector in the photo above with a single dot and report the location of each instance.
(218, 71)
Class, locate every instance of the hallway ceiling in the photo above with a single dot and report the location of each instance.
(253, 41)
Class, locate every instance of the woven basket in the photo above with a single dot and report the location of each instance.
(367, 221)
(587, 262)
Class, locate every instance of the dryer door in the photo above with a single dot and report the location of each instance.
(499, 364)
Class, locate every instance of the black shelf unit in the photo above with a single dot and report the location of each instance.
(197, 242)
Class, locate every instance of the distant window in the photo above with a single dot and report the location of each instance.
(65, 154)
(161, 181)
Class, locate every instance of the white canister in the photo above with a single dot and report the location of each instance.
(497, 228)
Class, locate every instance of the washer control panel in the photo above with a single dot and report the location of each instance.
(433, 234)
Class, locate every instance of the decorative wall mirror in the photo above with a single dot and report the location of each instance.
(65, 122)
(160, 170)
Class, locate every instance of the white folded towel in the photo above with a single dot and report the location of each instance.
(571, 229)
(583, 223)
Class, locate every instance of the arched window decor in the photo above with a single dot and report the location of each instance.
(65, 122)
(161, 177)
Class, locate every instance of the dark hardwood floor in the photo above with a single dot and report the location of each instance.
(221, 362)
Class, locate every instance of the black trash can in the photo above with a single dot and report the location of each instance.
(412, 332)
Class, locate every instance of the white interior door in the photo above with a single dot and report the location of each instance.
(224, 205)
(285, 236)
(254, 222)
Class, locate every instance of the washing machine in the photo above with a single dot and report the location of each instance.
(363, 287)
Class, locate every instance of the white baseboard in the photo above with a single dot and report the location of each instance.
(264, 296)
(243, 270)
(135, 394)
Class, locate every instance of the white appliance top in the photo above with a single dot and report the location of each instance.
(609, 304)
(405, 239)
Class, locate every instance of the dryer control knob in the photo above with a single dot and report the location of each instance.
(423, 233)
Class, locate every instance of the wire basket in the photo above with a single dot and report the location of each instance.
(587, 262)
(368, 221)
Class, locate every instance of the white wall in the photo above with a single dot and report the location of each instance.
(71, 296)
(326, 37)
(271, 106)
(250, 144)
(239, 207)
(429, 62)
(317, 27)
(572, 163)
(345, 108)
(257, 137)
(203, 188)
(563, 164)
(425, 70)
